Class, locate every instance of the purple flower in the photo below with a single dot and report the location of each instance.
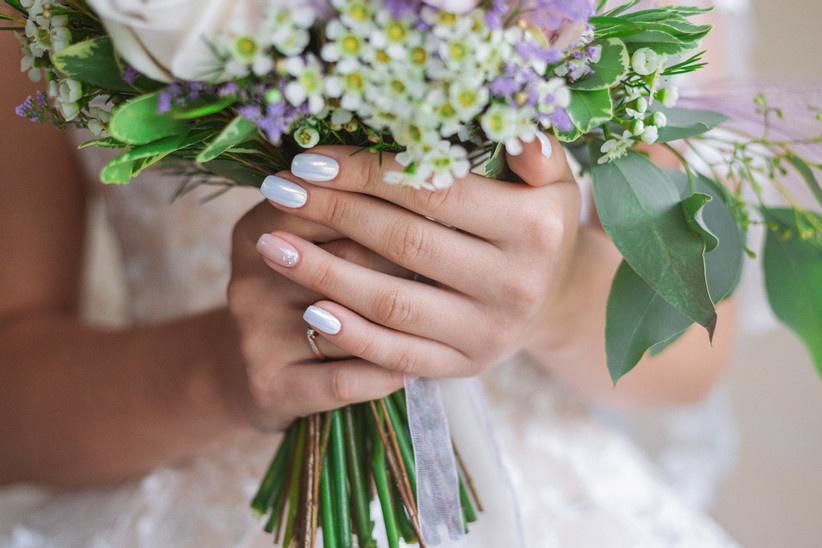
(561, 120)
(34, 108)
(130, 75)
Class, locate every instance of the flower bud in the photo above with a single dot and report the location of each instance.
(645, 61)
(660, 120)
(650, 135)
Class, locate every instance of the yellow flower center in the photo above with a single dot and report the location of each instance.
(246, 47)
(418, 56)
(457, 51)
(395, 32)
(358, 12)
(350, 44)
(466, 97)
(382, 57)
(354, 80)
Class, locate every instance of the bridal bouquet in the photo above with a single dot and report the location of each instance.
(226, 92)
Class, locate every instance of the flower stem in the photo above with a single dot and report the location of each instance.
(327, 507)
(378, 468)
(356, 476)
(294, 487)
(274, 476)
(339, 480)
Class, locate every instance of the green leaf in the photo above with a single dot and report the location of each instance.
(567, 136)
(639, 207)
(589, 109)
(138, 122)
(116, 172)
(103, 142)
(684, 123)
(639, 320)
(495, 166)
(692, 207)
(239, 173)
(659, 41)
(609, 70)
(793, 279)
(201, 111)
(92, 62)
(238, 130)
(806, 173)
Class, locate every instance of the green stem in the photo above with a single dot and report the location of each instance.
(327, 508)
(357, 477)
(274, 477)
(403, 521)
(378, 467)
(339, 480)
(294, 487)
(404, 442)
(468, 511)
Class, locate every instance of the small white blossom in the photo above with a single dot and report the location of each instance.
(308, 84)
(615, 148)
(645, 61)
(650, 135)
(307, 136)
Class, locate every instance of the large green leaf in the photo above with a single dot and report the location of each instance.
(589, 109)
(609, 70)
(639, 206)
(238, 130)
(793, 279)
(138, 122)
(93, 62)
(684, 123)
(639, 320)
(806, 172)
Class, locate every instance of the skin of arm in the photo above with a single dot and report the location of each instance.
(80, 404)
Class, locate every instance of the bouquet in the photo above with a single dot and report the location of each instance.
(225, 92)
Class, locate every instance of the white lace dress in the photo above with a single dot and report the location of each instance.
(580, 483)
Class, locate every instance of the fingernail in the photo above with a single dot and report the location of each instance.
(323, 320)
(284, 192)
(545, 144)
(278, 250)
(314, 167)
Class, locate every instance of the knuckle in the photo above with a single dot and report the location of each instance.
(263, 389)
(544, 228)
(405, 361)
(392, 307)
(323, 279)
(336, 209)
(343, 385)
(407, 241)
(432, 201)
(522, 293)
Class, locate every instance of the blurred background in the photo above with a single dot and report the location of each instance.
(773, 495)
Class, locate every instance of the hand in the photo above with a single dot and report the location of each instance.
(281, 378)
(506, 260)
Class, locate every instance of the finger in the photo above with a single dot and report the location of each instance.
(405, 305)
(474, 204)
(358, 254)
(330, 385)
(541, 162)
(394, 350)
(450, 257)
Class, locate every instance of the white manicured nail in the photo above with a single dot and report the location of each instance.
(278, 250)
(323, 320)
(284, 192)
(314, 167)
(545, 144)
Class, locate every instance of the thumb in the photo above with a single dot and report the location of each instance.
(541, 162)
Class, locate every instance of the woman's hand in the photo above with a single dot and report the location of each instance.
(281, 378)
(506, 257)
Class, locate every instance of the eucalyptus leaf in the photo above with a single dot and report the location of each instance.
(692, 207)
(684, 123)
(238, 130)
(659, 41)
(639, 207)
(138, 122)
(639, 320)
(93, 62)
(609, 70)
(793, 279)
(806, 172)
(589, 109)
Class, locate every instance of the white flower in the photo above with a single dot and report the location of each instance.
(453, 6)
(168, 39)
(348, 87)
(660, 120)
(616, 147)
(308, 84)
(669, 96)
(345, 48)
(501, 124)
(97, 120)
(69, 91)
(357, 14)
(650, 135)
(446, 162)
(307, 136)
(646, 61)
(468, 97)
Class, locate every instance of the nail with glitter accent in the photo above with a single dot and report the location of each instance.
(277, 250)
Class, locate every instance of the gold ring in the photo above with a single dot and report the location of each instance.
(311, 337)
